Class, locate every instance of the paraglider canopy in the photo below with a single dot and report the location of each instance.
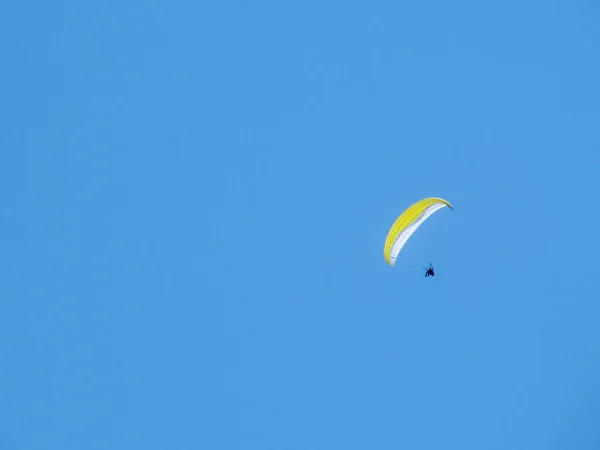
(407, 223)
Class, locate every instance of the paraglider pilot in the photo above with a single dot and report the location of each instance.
(429, 271)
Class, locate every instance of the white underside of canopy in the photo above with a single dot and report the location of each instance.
(409, 230)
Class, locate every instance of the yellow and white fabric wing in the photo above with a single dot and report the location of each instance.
(407, 224)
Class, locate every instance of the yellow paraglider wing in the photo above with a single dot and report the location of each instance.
(407, 224)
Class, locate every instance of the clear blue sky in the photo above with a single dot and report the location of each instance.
(195, 198)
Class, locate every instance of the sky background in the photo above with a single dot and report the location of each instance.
(195, 199)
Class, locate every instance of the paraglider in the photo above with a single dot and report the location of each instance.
(429, 271)
(407, 223)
